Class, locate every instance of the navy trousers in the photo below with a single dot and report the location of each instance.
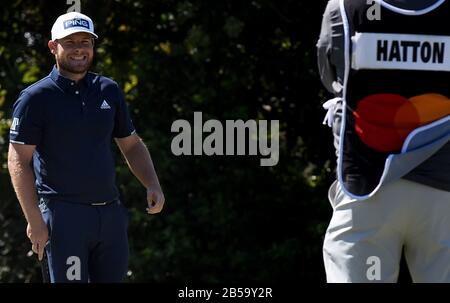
(87, 243)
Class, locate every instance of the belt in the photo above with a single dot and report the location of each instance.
(103, 203)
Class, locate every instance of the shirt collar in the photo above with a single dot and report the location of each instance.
(66, 83)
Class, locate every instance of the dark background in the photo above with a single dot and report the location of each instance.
(226, 219)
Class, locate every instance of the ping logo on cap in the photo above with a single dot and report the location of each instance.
(77, 22)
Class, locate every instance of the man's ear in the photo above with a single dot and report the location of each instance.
(52, 46)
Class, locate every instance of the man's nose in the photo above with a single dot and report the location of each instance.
(77, 46)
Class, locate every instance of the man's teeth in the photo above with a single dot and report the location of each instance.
(78, 57)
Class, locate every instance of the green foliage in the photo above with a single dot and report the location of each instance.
(226, 219)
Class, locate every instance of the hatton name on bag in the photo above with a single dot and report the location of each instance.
(401, 51)
(405, 51)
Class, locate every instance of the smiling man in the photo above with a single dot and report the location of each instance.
(62, 166)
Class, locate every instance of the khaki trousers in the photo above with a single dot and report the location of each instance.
(364, 240)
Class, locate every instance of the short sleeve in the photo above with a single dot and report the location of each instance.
(27, 120)
(123, 126)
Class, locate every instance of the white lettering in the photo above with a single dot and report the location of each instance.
(374, 12)
(241, 138)
(74, 271)
(195, 293)
(76, 7)
(15, 124)
(374, 271)
(183, 138)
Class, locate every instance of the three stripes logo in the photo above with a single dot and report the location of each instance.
(105, 105)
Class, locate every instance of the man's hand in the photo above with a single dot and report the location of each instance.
(38, 236)
(155, 199)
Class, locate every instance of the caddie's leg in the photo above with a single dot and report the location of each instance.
(363, 242)
(427, 249)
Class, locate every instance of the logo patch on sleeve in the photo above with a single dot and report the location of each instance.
(14, 126)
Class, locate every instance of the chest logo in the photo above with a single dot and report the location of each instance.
(105, 105)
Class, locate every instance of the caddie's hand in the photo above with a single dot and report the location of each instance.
(38, 236)
(155, 199)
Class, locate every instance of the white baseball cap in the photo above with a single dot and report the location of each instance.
(70, 23)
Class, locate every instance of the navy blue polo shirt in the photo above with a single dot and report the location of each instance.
(72, 125)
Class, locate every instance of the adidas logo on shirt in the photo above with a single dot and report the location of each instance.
(105, 105)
